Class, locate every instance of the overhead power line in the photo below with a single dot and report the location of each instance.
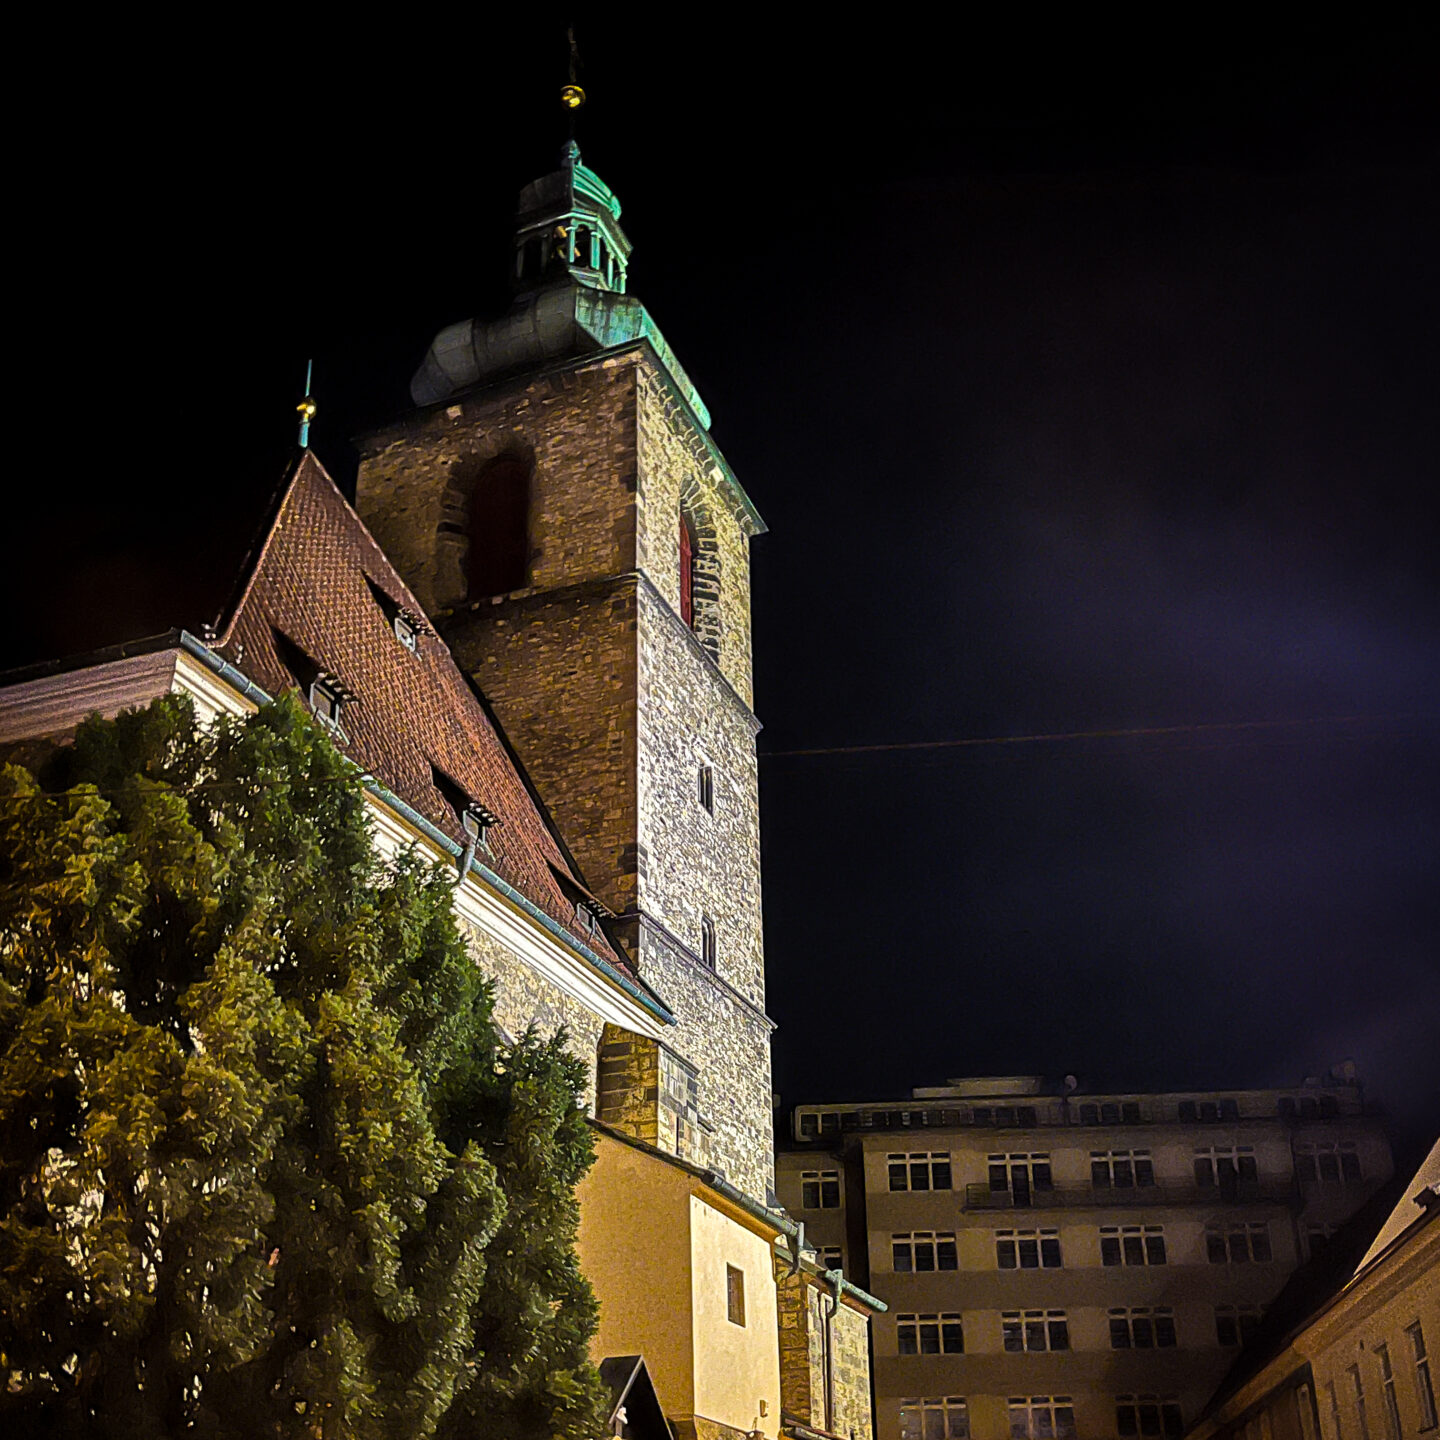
(1208, 728)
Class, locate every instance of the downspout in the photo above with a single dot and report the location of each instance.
(465, 862)
(836, 1280)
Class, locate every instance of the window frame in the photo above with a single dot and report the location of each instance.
(945, 1327)
(1158, 1320)
(913, 1244)
(1133, 1246)
(1050, 1328)
(821, 1184)
(735, 1295)
(908, 1166)
(1044, 1247)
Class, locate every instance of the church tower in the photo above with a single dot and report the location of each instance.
(557, 503)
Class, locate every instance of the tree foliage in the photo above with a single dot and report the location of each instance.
(266, 1168)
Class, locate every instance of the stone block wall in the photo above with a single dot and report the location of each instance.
(611, 702)
(524, 998)
(575, 426)
(561, 672)
(850, 1371)
(697, 862)
(675, 474)
(804, 1303)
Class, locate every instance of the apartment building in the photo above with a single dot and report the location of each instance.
(1061, 1264)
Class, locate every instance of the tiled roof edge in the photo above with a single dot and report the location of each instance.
(253, 692)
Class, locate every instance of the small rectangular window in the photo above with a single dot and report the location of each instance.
(709, 951)
(735, 1295)
(1132, 1245)
(819, 1189)
(705, 787)
(1424, 1385)
(919, 1170)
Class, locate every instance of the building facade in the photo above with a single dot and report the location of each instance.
(538, 655)
(1359, 1365)
(1068, 1264)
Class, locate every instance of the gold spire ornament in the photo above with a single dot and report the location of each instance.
(306, 408)
(572, 96)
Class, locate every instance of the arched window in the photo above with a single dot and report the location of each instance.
(687, 571)
(499, 524)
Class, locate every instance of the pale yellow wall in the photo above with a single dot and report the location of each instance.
(736, 1367)
(1379, 1310)
(634, 1247)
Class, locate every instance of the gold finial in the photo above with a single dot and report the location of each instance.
(572, 97)
(306, 408)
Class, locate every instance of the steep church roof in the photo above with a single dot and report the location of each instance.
(320, 601)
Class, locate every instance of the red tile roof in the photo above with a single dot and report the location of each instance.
(319, 589)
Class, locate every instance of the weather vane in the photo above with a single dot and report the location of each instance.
(306, 408)
(572, 96)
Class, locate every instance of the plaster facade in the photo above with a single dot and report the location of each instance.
(998, 1165)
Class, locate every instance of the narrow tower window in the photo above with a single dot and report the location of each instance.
(687, 571)
(708, 954)
(705, 786)
(498, 557)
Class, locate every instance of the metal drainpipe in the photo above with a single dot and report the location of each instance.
(837, 1283)
(465, 862)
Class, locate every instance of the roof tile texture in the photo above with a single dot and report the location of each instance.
(412, 709)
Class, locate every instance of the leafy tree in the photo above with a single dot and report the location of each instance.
(266, 1169)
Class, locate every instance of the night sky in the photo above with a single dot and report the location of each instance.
(1087, 381)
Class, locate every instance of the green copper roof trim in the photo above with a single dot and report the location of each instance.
(251, 691)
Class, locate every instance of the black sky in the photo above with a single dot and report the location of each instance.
(1087, 381)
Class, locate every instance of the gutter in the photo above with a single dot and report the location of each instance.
(252, 692)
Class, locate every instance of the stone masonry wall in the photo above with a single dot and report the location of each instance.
(727, 1040)
(850, 1367)
(698, 861)
(610, 701)
(578, 429)
(804, 1303)
(671, 477)
(561, 671)
(524, 998)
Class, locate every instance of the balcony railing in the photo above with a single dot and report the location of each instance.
(1245, 1192)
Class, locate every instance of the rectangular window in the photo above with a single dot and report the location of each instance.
(1132, 1245)
(1305, 1412)
(327, 701)
(709, 951)
(1034, 1331)
(735, 1295)
(1389, 1402)
(1027, 1249)
(1234, 1324)
(930, 1334)
(819, 1189)
(830, 1257)
(1225, 1167)
(1142, 1327)
(1237, 1243)
(705, 787)
(920, 1170)
(1110, 1112)
(1424, 1387)
(1336, 1424)
(1121, 1169)
(1041, 1417)
(943, 1418)
(923, 1250)
(1357, 1387)
(1148, 1415)
(1327, 1162)
(1020, 1175)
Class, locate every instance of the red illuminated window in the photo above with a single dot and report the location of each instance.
(687, 572)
